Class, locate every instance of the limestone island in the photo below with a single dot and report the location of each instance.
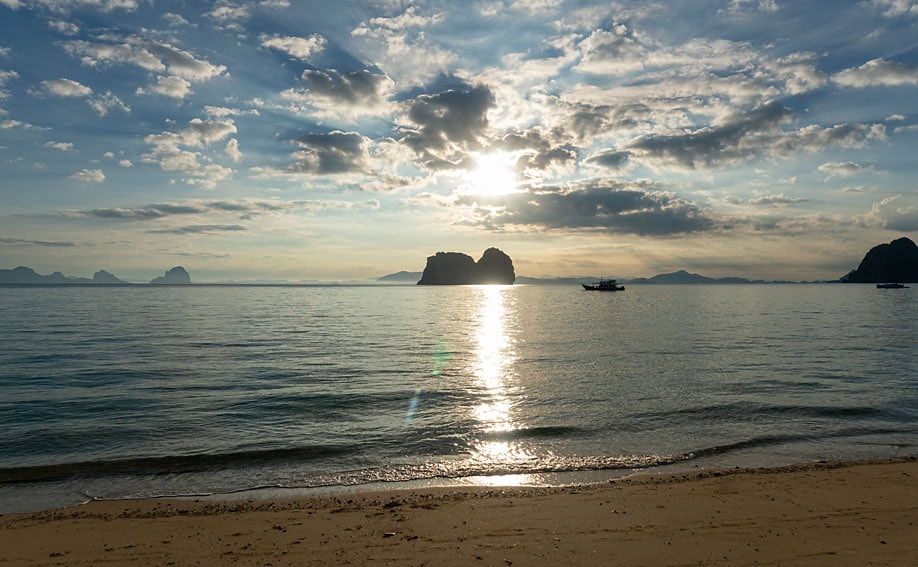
(456, 268)
(893, 262)
(175, 276)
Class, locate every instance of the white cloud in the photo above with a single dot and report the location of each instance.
(878, 72)
(300, 47)
(66, 88)
(64, 27)
(103, 104)
(612, 52)
(12, 4)
(897, 8)
(18, 124)
(62, 146)
(232, 150)
(402, 49)
(125, 163)
(173, 151)
(837, 169)
(175, 87)
(89, 175)
(180, 66)
(175, 20)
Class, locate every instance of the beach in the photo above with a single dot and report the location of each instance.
(856, 513)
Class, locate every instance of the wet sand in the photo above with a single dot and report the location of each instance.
(821, 514)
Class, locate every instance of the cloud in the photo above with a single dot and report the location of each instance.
(200, 229)
(746, 136)
(232, 150)
(25, 242)
(11, 4)
(448, 124)
(89, 175)
(66, 88)
(737, 139)
(837, 169)
(62, 146)
(103, 104)
(896, 8)
(612, 52)
(241, 208)
(18, 124)
(400, 46)
(878, 72)
(609, 158)
(174, 87)
(774, 200)
(330, 154)
(64, 27)
(300, 47)
(601, 205)
(180, 66)
(171, 150)
(354, 88)
(63, 6)
(5, 77)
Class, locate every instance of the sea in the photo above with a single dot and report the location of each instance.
(229, 392)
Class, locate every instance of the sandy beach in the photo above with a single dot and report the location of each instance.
(819, 514)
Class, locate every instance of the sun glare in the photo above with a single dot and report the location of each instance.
(493, 174)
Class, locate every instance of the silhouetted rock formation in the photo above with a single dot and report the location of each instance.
(175, 276)
(455, 268)
(893, 262)
(27, 276)
(103, 277)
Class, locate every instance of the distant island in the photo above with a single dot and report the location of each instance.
(27, 276)
(23, 275)
(893, 262)
(456, 268)
(175, 276)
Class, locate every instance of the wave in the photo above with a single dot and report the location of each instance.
(173, 464)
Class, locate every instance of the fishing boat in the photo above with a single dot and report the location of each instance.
(890, 286)
(603, 285)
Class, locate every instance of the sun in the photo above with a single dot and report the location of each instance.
(493, 175)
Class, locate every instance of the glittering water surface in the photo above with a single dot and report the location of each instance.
(114, 392)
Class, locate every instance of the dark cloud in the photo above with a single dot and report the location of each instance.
(245, 209)
(48, 243)
(333, 153)
(609, 158)
(448, 122)
(736, 140)
(614, 207)
(357, 87)
(200, 229)
(536, 151)
(141, 213)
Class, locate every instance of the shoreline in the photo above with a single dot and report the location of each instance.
(838, 513)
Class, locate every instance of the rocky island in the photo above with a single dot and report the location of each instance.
(24, 275)
(893, 262)
(175, 276)
(456, 268)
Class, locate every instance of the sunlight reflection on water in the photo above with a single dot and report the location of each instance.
(493, 368)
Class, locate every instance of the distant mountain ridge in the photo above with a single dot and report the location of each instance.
(24, 275)
(683, 277)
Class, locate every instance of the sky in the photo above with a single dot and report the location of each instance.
(313, 140)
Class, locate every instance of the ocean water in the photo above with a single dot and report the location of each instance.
(119, 392)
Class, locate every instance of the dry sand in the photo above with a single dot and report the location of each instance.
(823, 514)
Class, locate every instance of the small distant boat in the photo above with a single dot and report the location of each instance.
(604, 285)
(891, 286)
